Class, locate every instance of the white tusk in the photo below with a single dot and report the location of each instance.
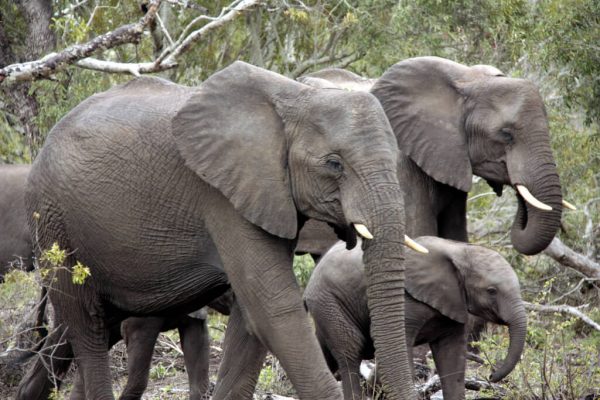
(363, 231)
(568, 205)
(528, 197)
(414, 245)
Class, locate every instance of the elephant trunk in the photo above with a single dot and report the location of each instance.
(384, 270)
(533, 229)
(517, 328)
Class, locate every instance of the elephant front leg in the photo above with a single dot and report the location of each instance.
(259, 267)
(242, 360)
(195, 343)
(449, 354)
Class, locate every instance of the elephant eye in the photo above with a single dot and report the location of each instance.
(492, 291)
(507, 136)
(335, 165)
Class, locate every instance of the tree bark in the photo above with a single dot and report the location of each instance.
(20, 105)
(566, 256)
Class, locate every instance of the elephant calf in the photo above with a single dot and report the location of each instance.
(442, 287)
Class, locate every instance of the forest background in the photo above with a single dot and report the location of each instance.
(554, 43)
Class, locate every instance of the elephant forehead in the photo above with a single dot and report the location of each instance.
(351, 114)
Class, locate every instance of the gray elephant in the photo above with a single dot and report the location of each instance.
(149, 183)
(140, 336)
(15, 242)
(442, 287)
(450, 121)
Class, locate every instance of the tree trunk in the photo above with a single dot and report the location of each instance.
(20, 105)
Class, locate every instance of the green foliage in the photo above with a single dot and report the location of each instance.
(303, 267)
(54, 255)
(161, 371)
(80, 273)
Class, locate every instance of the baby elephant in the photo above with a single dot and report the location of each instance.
(442, 287)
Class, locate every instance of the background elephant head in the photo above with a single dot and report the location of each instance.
(458, 278)
(454, 121)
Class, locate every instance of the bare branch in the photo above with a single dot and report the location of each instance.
(171, 54)
(434, 384)
(55, 62)
(569, 258)
(565, 309)
(123, 68)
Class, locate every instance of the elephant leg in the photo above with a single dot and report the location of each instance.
(341, 340)
(349, 370)
(449, 354)
(242, 360)
(78, 390)
(89, 337)
(49, 369)
(193, 334)
(259, 267)
(140, 336)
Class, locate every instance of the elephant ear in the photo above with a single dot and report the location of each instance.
(421, 97)
(231, 133)
(434, 280)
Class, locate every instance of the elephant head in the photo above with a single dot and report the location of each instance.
(458, 278)
(282, 151)
(477, 121)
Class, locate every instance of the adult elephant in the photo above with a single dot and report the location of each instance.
(450, 121)
(15, 242)
(150, 182)
(442, 287)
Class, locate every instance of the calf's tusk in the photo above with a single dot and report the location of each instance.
(568, 205)
(414, 245)
(528, 197)
(363, 231)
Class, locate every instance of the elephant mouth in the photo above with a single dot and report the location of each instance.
(496, 187)
(345, 233)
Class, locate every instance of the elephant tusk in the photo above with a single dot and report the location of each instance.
(528, 197)
(414, 245)
(363, 231)
(568, 205)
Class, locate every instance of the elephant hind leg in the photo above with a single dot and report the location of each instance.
(79, 311)
(193, 333)
(140, 336)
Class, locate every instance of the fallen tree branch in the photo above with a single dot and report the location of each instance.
(434, 384)
(55, 62)
(565, 309)
(566, 256)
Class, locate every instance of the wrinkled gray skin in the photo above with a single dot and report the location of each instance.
(15, 242)
(149, 182)
(450, 121)
(140, 336)
(442, 287)
(140, 333)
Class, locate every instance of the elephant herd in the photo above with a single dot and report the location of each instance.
(176, 198)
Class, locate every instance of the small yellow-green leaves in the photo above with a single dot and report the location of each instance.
(54, 255)
(80, 273)
(349, 19)
(296, 15)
